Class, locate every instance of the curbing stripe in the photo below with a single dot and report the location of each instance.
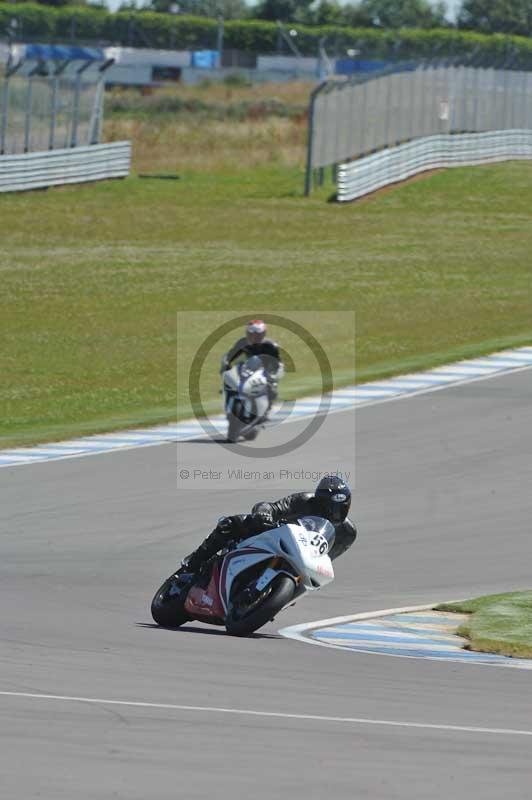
(402, 386)
(351, 634)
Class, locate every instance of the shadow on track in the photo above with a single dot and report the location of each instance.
(209, 631)
(210, 440)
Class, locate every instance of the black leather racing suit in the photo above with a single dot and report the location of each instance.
(265, 516)
(268, 350)
(304, 504)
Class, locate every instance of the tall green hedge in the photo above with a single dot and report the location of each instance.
(148, 29)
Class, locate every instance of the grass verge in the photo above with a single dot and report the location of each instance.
(92, 276)
(499, 623)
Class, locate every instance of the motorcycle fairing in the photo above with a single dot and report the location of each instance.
(203, 602)
(236, 562)
(249, 383)
(293, 543)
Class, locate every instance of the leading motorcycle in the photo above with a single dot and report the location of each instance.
(249, 583)
(247, 398)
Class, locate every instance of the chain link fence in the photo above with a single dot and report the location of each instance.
(51, 98)
(354, 118)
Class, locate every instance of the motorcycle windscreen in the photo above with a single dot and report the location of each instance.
(319, 526)
(250, 366)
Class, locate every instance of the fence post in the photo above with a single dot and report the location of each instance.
(528, 104)
(3, 115)
(310, 137)
(75, 105)
(363, 137)
(476, 90)
(388, 110)
(75, 111)
(96, 119)
(414, 92)
(220, 39)
(27, 119)
(524, 98)
(507, 80)
(53, 112)
(55, 86)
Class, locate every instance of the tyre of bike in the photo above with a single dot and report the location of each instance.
(240, 622)
(235, 424)
(251, 435)
(167, 606)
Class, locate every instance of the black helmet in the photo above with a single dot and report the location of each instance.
(334, 498)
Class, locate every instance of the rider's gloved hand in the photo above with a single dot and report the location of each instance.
(264, 520)
(225, 527)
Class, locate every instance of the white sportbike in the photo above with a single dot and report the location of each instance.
(247, 398)
(250, 583)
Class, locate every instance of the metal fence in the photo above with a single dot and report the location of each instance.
(365, 175)
(70, 165)
(355, 118)
(51, 97)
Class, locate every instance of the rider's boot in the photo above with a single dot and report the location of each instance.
(208, 548)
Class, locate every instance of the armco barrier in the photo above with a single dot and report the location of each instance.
(56, 167)
(363, 176)
(407, 101)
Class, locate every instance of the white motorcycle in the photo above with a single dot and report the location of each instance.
(252, 582)
(247, 398)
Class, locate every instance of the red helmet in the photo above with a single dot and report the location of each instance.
(255, 331)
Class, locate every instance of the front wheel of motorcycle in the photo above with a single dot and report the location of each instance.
(167, 606)
(278, 594)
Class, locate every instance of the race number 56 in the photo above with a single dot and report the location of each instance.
(320, 542)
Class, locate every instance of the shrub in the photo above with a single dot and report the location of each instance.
(149, 29)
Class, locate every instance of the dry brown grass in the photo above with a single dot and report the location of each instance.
(189, 143)
(185, 141)
(290, 92)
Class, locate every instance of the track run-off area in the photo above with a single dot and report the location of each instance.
(97, 702)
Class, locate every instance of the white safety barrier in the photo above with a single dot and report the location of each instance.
(56, 167)
(365, 175)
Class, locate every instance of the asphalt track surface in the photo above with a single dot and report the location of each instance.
(443, 504)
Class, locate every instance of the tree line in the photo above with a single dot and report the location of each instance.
(484, 16)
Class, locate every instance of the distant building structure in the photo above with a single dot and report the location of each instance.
(145, 67)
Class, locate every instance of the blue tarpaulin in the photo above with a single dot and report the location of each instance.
(55, 52)
(348, 66)
(205, 59)
(352, 66)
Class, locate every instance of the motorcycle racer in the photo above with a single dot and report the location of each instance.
(331, 500)
(255, 343)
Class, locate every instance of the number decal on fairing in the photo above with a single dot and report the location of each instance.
(320, 542)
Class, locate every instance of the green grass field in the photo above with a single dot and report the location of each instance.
(499, 623)
(92, 278)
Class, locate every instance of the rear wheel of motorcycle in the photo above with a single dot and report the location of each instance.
(233, 431)
(277, 595)
(168, 609)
